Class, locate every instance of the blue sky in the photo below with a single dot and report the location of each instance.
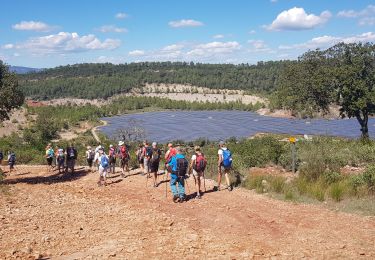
(41, 33)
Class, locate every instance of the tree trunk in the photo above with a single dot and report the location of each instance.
(363, 121)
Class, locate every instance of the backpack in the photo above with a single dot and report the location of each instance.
(148, 151)
(200, 163)
(104, 162)
(139, 155)
(1, 155)
(172, 152)
(91, 155)
(155, 157)
(71, 153)
(182, 166)
(111, 152)
(227, 158)
(12, 158)
(60, 153)
(124, 152)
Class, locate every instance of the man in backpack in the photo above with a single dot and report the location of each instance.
(154, 162)
(198, 165)
(147, 153)
(103, 162)
(112, 159)
(71, 157)
(224, 165)
(140, 157)
(178, 167)
(124, 156)
(11, 161)
(60, 159)
(90, 155)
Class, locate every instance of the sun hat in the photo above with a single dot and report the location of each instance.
(110, 146)
(221, 143)
(154, 144)
(121, 143)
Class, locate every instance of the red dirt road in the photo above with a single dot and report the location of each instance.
(69, 217)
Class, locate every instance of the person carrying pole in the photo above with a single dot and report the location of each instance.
(224, 165)
(178, 167)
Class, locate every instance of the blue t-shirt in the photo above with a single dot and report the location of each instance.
(173, 162)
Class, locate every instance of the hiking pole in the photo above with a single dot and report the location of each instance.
(166, 180)
(187, 184)
(204, 182)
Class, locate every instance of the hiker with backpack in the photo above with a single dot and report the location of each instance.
(1, 158)
(71, 157)
(178, 166)
(154, 162)
(50, 154)
(198, 164)
(90, 155)
(147, 153)
(140, 157)
(123, 154)
(103, 162)
(224, 165)
(60, 159)
(168, 156)
(11, 160)
(112, 159)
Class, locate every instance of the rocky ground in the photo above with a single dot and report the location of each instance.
(47, 215)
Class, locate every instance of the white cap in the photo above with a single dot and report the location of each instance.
(154, 144)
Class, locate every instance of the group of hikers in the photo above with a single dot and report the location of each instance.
(148, 157)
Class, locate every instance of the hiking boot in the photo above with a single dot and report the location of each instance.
(216, 188)
(182, 199)
(230, 188)
(176, 198)
(198, 196)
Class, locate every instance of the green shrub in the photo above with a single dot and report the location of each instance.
(289, 195)
(14, 121)
(277, 184)
(331, 177)
(369, 178)
(317, 191)
(337, 191)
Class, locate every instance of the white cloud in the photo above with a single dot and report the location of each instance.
(112, 28)
(32, 26)
(328, 41)
(215, 48)
(8, 46)
(252, 32)
(257, 44)
(185, 23)
(368, 11)
(16, 54)
(366, 15)
(297, 19)
(121, 15)
(137, 53)
(273, 1)
(173, 47)
(64, 42)
(218, 36)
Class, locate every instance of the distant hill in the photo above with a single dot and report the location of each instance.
(103, 80)
(23, 70)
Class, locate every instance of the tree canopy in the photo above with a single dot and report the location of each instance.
(343, 74)
(11, 95)
(105, 80)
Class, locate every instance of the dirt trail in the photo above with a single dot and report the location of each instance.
(69, 217)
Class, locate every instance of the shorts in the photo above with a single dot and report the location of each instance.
(225, 170)
(154, 167)
(70, 163)
(60, 162)
(141, 161)
(103, 171)
(112, 160)
(146, 164)
(197, 174)
(89, 162)
(49, 161)
(124, 162)
(11, 165)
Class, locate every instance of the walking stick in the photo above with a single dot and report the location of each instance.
(204, 182)
(187, 184)
(166, 181)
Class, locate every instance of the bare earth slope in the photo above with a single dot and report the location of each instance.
(69, 217)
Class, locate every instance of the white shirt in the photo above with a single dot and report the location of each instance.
(220, 152)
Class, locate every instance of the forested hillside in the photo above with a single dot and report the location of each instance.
(105, 80)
